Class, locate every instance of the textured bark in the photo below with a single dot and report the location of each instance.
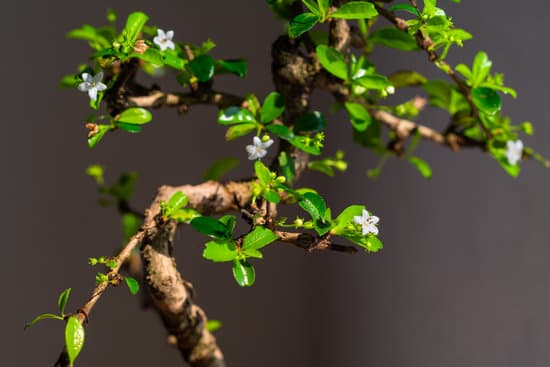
(172, 296)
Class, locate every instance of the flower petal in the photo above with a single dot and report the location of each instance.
(170, 35)
(92, 93)
(98, 77)
(268, 143)
(256, 140)
(357, 219)
(169, 44)
(84, 86)
(160, 33)
(101, 86)
(85, 77)
(373, 229)
(374, 219)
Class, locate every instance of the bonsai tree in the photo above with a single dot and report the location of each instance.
(327, 45)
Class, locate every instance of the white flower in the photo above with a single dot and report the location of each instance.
(164, 40)
(514, 151)
(367, 223)
(92, 84)
(390, 89)
(258, 149)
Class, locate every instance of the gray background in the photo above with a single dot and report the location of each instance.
(462, 280)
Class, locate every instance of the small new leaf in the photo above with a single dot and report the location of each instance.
(213, 325)
(74, 338)
(133, 285)
(42, 317)
(62, 301)
(422, 166)
(219, 168)
(243, 273)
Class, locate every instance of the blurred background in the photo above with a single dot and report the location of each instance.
(463, 278)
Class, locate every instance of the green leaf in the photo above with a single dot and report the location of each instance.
(130, 225)
(253, 253)
(406, 78)
(229, 221)
(40, 318)
(96, 138)
(74, 338)
(500, 155)
(445, 96)
(394, 38)
(314, 204)
(135, 116)
(370, 243)
(243, 273)
(312, 6)
(486, 100)
(220, 251)
(151, 55)
(405, 7)
(252, 104)
(286, 166)
(213, 325)
(88, 33)
(62, 300)
(133, 285)
(355, 10)
(238, 67)
(211, 227)
(131, 128)
(178, 200)
(375, 81)
(481, 68)
(324, 6)
(307, 144)
(310, 122)
(95, 171)
(422, 166)
(172, 59)
(219, 168)
(346, 217)
(258, 238)
(235, 115)
(133, 27)
(301, 24)
(184, 215)
(202, 67)
(262, 172)
(333, 61)
(273, 107)
(70, 81)
(281, 131)
(236, 131)
(272, 196)
(359, 116)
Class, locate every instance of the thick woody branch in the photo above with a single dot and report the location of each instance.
(171, 295)
(183, 101)
(405, 128)
(208, 197)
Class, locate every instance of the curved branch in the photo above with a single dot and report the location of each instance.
(183, 101)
